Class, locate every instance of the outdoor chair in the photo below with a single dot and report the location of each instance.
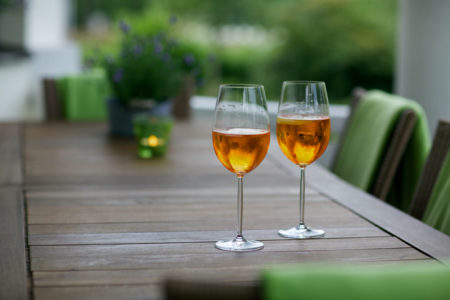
(383, 134)
(431, 201)
(79, 97)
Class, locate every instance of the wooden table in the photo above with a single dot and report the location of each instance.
(83, 218)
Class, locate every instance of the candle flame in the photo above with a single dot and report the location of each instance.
(153, 141)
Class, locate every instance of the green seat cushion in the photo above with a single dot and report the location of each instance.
(406, 282)
(437, 213)
(368, 135)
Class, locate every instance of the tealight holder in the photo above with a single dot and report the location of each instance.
(152, 133)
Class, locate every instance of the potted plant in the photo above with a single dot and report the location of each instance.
(147, 75)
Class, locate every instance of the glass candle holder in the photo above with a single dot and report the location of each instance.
(152, 133)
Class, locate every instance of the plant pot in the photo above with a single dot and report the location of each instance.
(121, 116)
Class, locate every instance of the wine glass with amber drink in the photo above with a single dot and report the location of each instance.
(241, 137)
(303, 132)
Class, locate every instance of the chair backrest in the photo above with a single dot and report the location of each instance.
(392, 152)
(52, 100)
(427, 180)
(393, 155)
(356, 95)
(77, 97)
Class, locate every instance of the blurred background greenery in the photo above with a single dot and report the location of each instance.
(345, 43)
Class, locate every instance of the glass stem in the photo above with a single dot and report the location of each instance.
(239, 205)
(302, 195)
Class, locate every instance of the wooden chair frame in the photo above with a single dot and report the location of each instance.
(438, 152)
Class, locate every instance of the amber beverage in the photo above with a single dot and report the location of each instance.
(303, 139)
(240, 136)
(241, 150)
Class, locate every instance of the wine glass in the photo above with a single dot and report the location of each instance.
(241, 137)
(303, 132)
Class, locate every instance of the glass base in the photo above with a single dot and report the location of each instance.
(239, 244)
(301, 231)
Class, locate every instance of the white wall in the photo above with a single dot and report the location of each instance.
(42, 28)
(16, 92)
(423, 56)
(47, 24)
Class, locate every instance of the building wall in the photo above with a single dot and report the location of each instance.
(41, 27)
(423, 56)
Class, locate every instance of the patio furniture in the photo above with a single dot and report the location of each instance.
(82, 217)
(80, 97)
(431, 198)
(372, 153)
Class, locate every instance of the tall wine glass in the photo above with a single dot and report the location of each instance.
(303, 132)
(241, 137)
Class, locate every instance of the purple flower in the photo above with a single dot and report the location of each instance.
(173, 19)
(189, 59)
(124, 27)
(118, 75)
(158, 47)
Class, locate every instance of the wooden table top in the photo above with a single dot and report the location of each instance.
(83, 218)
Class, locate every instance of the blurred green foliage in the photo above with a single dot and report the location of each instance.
(151, 66)
(342, 42)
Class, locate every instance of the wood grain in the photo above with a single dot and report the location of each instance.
(10, 155)
(131, 292)
(185, 236)
(396, 222)
(105, 225)
(46, 214)
(151, 276)
(13, 267)
(336, 223)
(52, 252)
(219, 259)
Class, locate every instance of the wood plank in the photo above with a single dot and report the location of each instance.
(13, 266)
(412, 231)
(63, 156)
(106, 225)
(195, 225)
(141, 276)
(208, 248)
(185, 236)
(202, 212)
(129, 292)
(55, 199)
(151, 276)
(10, 154)
(221, 259)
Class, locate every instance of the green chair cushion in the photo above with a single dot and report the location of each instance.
(406, 282)
(84, 96)
(373, 122)
(437, 213)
